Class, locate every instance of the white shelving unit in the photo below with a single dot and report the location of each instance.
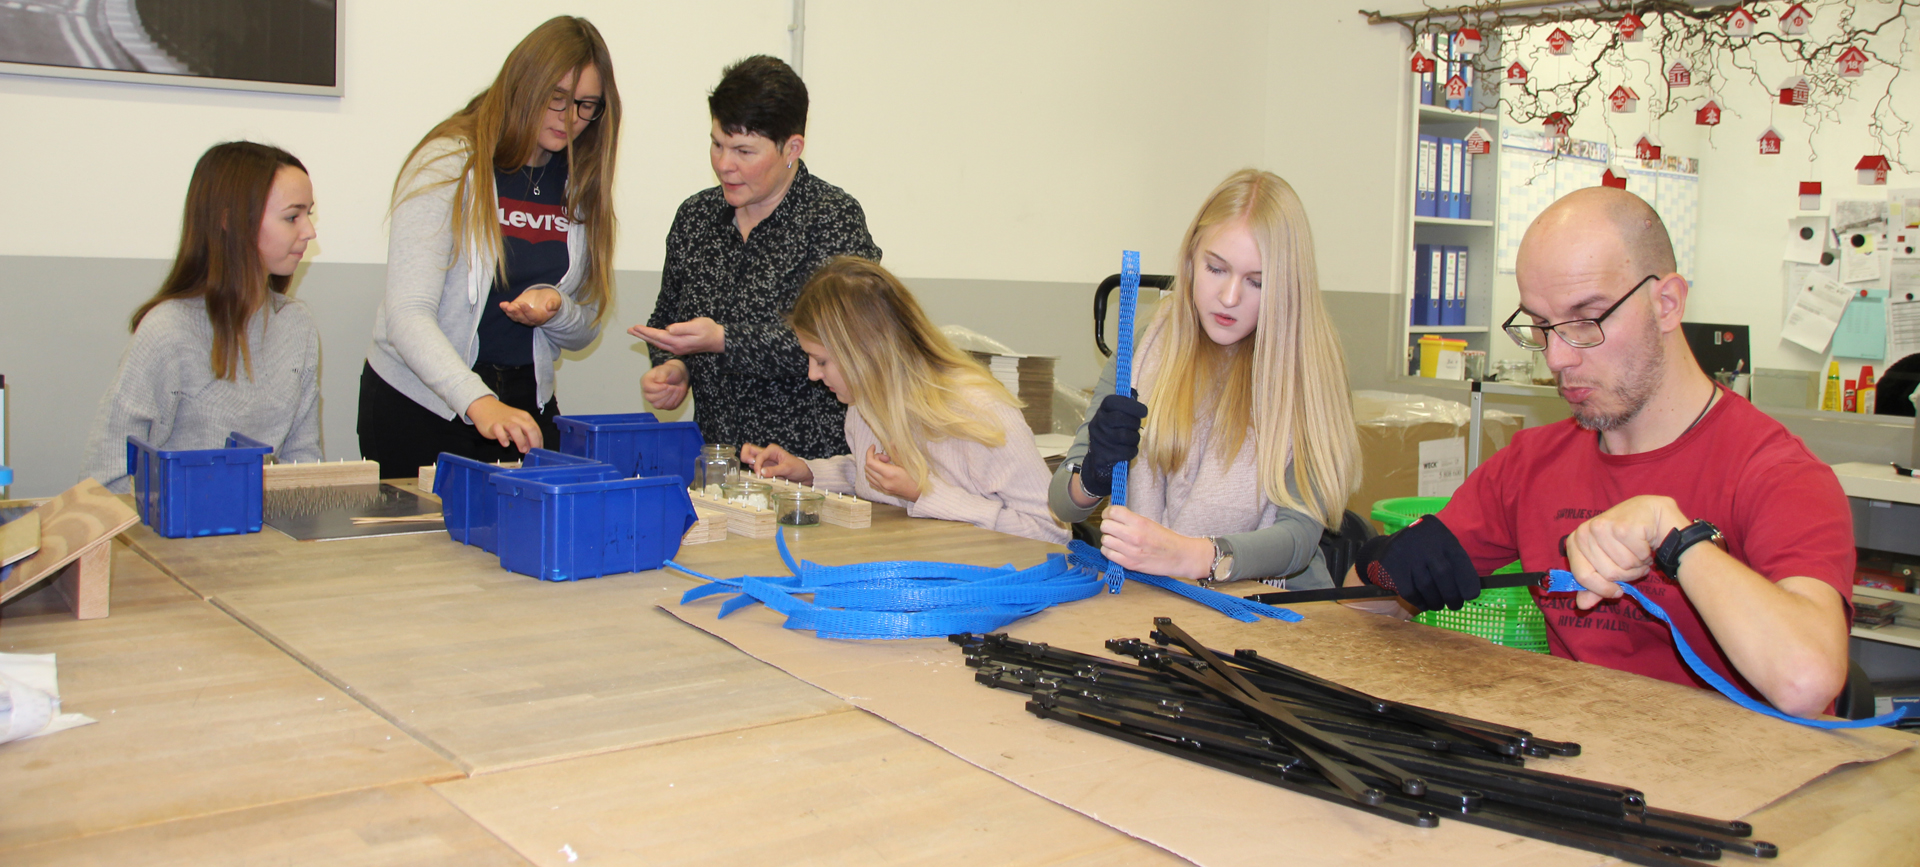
(1478, 235)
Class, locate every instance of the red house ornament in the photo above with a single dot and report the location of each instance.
(1741, 24)
(1769, 142)
(1466, 41)
(1623, 100)
(1678, 75)
(1708, 115)
(1558, 123)
(1647, 148)
(1422, 62)
(1559, 42)
(1796, 20)
(1795, 90)
(1478, 142)
(1609, 179)
(1456, 87)
(1631, 28)
(1852, 62)
(1809, 195)
(1516, 74)
(1873, 169)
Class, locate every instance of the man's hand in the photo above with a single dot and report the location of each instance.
(504, 424)
(534, 306)
(1142, 545)
(889, 479)
(665, 386)
(772, 461)
(685, 338)
(1424, 563)
(1617, 546)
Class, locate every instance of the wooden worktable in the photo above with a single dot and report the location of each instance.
(404, 700)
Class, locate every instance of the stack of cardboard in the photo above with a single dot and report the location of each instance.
(1392, 427)
(1028, 377)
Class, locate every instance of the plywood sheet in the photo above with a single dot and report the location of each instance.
(845, 789)
(392, 825)
(1688, 750)
(80, 518)
(197, 715)
(19, 538)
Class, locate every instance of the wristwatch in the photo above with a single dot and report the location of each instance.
(1222, 561)
(1682, 538)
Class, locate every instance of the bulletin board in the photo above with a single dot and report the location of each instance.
(1537, 168)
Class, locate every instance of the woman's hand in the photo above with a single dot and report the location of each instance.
(534, 306)
(665, 386)
(889, 479)
(772, 461)
(504, 424)
(685, 338)
(1144, 546)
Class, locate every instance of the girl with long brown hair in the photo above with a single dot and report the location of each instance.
(499, 258)
(221, 348)
(929, 429)
(1248, 448)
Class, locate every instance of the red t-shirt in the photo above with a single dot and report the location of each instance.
(1781, 509)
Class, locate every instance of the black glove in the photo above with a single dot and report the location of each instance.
(1423, 563)
(1113, 435)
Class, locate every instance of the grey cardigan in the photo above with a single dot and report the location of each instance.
(425, 335)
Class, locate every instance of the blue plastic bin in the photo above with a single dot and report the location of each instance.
(198, 492)
(468, 503)
(634, 443)
(548, 458)
(561, 530)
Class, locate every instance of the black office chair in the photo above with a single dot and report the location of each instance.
(1856, 698)
(1342, 547)
(1147, 281)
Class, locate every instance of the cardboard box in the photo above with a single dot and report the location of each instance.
(1392, 426)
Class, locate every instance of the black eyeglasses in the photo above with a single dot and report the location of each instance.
(585, 109)
(1577, 333)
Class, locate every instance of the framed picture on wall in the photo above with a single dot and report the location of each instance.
(282, 46)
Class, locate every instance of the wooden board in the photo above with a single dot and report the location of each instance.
(845, 789)
(1689, 750)
(197, 715)
(711, 526)
(19, 538)
(741, 520)
(83, 518)
(397, 825)
(840, 510)
(276, 477)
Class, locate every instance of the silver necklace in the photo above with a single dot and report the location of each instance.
(537, 178)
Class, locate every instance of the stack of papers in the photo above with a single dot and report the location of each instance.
(1030, 378)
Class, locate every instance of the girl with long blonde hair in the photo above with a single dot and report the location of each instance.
(929, 429)
(1248, 448)
(500, 257)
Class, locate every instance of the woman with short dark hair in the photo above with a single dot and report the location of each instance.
(737, 257)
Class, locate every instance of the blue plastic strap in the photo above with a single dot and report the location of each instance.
(1243, 610)
(1562, 581)
(1123, 381)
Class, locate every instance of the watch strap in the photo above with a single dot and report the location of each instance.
(1678, 540)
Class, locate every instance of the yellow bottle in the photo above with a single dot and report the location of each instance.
(1831, 397)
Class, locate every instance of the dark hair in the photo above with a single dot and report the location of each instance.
(219, 257)
(760, 95)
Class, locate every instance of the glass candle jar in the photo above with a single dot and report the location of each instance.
(717, 465)
(798, 508)
(746, 492)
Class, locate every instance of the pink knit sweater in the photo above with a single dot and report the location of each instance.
(1002, 489)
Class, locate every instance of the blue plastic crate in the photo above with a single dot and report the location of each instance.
(198, 492)
(637, 444)
(560, 530)
(468, 503)
(547, 458)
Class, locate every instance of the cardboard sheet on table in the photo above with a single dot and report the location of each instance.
(1689, 750)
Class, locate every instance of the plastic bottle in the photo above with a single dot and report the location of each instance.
(1863, 394)
(1847, 398)
(1830, 398)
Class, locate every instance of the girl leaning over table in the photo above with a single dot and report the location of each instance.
(1248, 448)
(929, 428)
(221, 348)
(500, 257)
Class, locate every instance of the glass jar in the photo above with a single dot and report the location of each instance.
(747, 492)
(798, 508)
(718, 466)
(1542, 374)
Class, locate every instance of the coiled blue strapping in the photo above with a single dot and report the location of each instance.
(1123, 380)
(1243, 610)
(1562, 581)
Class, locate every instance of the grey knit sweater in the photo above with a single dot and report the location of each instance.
(165, 392)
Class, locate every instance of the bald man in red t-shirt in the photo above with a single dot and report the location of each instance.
(1661, 477)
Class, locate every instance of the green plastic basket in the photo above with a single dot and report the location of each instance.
(1506, 616)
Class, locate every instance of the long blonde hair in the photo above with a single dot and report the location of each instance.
(905, 377)
(1289, 386)
(500, 129)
